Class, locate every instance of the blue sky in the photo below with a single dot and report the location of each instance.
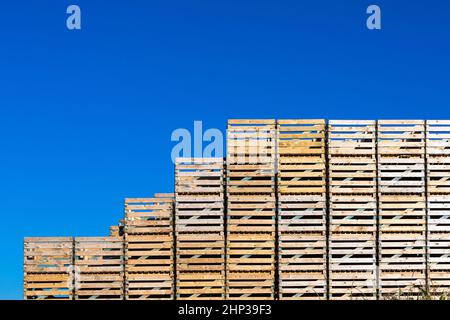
(86, 116)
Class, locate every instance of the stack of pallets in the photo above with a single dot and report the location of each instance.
(99, 268)
(301, 209)
(402, 222)
(149, 248)
(353, 209)
(438, 184)
(199, 226)
(48, 268)
(251, 208)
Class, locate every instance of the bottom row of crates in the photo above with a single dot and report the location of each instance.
(94, 268)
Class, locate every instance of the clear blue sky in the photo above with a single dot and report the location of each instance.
(86, 116)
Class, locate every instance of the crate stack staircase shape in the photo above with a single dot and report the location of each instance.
(48, 268)
(99, 268)
(251, 209)
(200, 228)
(402, 208)
(301, 189)
(352, 185)
(438, 207)
(149, 248)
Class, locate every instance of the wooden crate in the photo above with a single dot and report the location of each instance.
(438, 137)
(247, 285)
(149, 215)
(250, 252)
(251, 213)
(48, 268)
(356, 138)
(438, 174)
(352, 266)
(200, 252)
(301, 186)
(401, 174)
(199, 176)
(302, 213)
(149, 248)
(353, 214)
(402, 264)
(301, 156)
(438, 205)
(206, 285)
(302, 265)
(302, 246)
(149, 286)
(251, 154)
(99, 268)
(353, 174)
(149, 253)
(402, 213)
(114, 231)
(401, 137)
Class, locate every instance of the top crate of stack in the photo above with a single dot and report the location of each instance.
(199, 195)
(301, 156)
(351, 137)
(401, 137)
(148, 215)
(251, 152)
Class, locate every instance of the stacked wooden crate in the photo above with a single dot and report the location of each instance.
(438, 189)
(200, 228)
(301, 209)
(352, 209)
(402, 203)
(149, 248)
(99, 268)
(48, 268)
(251, 208)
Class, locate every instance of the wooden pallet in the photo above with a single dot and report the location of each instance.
(250, 285)
(402, 264)
(149, 215)
(149, 286)
(99, 268)
(207, 285)
(301, 156)
(401, 137)
(48, 268)
(352, 265)
(250, 252)
(351, 137)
